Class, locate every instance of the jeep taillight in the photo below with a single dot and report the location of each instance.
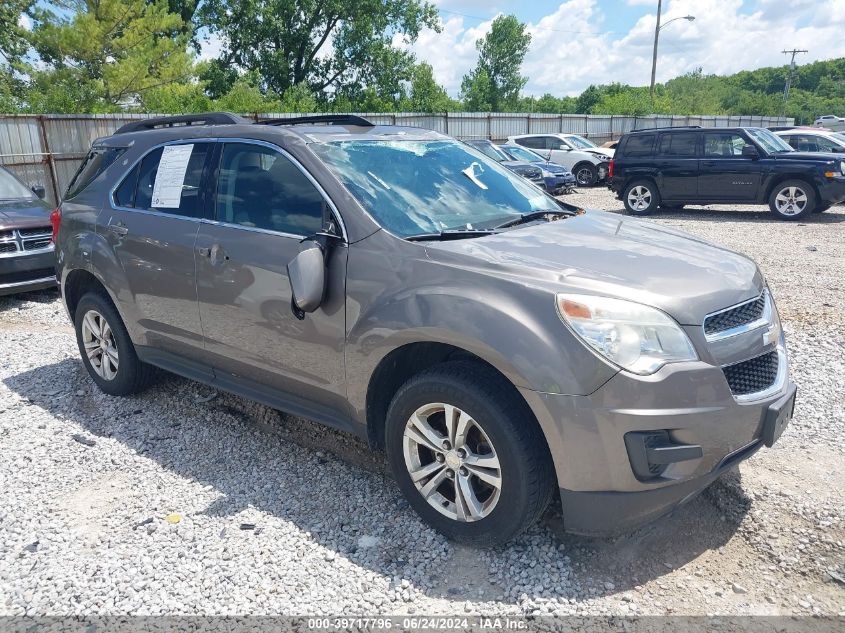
(55, 220)
(610, 169)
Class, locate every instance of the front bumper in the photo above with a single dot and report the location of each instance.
(691, 402)
(26, 272)
(832, 190)
(557, 183)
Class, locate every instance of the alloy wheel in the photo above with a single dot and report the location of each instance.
(584, 176)
(791, 201)
(639, 198)
(100, 346)
(452, 462)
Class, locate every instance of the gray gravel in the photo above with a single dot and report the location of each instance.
(185, 500)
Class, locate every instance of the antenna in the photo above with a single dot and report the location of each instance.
(789, 75)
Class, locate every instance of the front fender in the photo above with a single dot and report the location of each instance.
(509, 323)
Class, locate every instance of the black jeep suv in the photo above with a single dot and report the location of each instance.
(672, 167)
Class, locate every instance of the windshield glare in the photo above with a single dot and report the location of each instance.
(421, 187)
(490, 150)
(11, 188)
(520, 153)
(580, 142)
(768, 141)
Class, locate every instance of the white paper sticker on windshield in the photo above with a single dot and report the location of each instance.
(167, 190)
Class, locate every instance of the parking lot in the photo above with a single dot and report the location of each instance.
(187, 500)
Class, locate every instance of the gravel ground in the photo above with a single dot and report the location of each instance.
(188, 501)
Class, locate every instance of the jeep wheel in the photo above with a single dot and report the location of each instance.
(641, 197)
(792, 199)
(586, 174)
(106, 349)
(468, 455)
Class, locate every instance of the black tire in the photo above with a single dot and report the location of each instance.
(586, 174)
(787, 198)
(646, 195)
(527, 479)
(131, 375)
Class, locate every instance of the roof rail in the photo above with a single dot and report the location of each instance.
(204, 118)
(667, 127)
(336, 119)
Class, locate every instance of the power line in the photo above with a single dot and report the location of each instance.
(789, 75)
(538, 28)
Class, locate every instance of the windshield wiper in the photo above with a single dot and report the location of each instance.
(534, 215)
(450, 234)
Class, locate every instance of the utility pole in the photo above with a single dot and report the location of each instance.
(788, 85)
(654, 53)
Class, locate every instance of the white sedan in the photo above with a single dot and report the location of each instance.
(810, 140)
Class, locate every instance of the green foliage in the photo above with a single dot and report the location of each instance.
(13, 38)
(176, 99)
(116, 49)
(426, 94)
(245, 97)
(341, 45)
(497, 80)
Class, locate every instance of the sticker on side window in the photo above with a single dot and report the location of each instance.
(170, 178)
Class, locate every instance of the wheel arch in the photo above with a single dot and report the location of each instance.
(781, 178)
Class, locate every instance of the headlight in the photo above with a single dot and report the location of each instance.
(546, 173)
(842, 167)
(631, 335)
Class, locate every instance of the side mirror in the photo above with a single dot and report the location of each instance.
(749, 151)
(39, 190)
(307, 275)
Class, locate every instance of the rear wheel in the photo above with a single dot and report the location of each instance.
(586, 175)
(641, 197)
(792, 199)
(468, 455)
(107, 351)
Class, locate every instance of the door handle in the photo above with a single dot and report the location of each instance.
(119, 228)
(205, 252)
(215, 254)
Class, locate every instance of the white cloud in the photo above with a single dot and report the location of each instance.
(25, 22)
(571, 49)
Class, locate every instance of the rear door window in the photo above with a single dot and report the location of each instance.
(536, 142)
(679, 144)
(136, 189)
(639, 145)
(95, 163)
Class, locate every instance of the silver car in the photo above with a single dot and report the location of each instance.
(500, 346)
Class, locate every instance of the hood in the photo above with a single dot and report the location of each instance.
(600, 151)
(522, 167)
(815, 157)
(24, 213)
(552, 167)
(614, 255)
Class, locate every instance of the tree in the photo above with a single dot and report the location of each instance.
(426, 94)
(477, 91)
(500, 56)
(13, 37)
(120, 49)
(327, 44)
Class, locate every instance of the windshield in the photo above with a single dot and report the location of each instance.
(419, 187)
(11, 188)
(838, 137)
(520, 153)
(580, 142)
(768, 141)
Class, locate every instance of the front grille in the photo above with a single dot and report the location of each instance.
(751, 376)
(742, 314)
(33, 245)
(7, 235)
(37, 231)
(8, 247)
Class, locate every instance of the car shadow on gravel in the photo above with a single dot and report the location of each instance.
(156, 424)
(743, 216)
(17, 300)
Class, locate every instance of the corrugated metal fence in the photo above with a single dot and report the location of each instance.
(47, 149)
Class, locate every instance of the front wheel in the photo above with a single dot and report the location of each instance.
(792, 199)
(586, 175)
(641, 197)
(468, 455)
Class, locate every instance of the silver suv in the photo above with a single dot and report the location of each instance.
(500, 346)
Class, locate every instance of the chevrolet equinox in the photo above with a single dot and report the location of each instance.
(499, 345)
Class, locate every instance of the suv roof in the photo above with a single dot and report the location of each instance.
(317, 128)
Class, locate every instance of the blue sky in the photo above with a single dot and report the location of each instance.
(580, 42)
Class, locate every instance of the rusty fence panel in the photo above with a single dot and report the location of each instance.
(47, 149)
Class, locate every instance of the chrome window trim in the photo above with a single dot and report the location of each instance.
(333, 208)
(764, 319)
